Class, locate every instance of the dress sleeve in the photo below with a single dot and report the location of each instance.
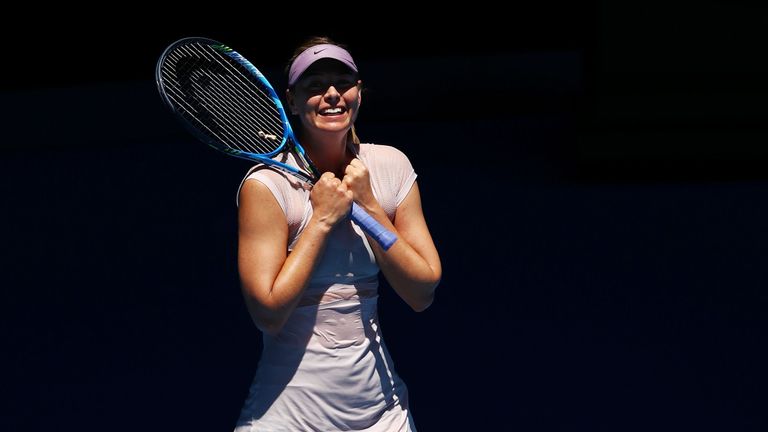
(263, 176)
(392, 175)
(404, 172)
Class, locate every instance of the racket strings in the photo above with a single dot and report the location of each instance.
(218, 94)
(229, 109)
(221, 126)
(234, 115)
(231, 118)
(227, 128)
(239, 104)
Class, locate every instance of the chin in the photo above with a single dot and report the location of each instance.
(333, 125)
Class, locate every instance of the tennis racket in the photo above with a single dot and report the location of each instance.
(228, 104)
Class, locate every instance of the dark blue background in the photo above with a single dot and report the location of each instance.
(593, 178)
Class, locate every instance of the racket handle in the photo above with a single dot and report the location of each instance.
(373, 228)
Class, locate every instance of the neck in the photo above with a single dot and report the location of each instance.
(328, 152)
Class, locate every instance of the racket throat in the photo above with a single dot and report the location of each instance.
(313, 172)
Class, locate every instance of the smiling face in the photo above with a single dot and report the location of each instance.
(326, 98)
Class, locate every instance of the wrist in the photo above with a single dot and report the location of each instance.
(319, 225)
(371, 206)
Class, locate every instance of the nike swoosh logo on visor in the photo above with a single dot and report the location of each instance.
(319, 51)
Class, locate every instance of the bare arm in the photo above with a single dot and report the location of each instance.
(412, 265)
(273, 280)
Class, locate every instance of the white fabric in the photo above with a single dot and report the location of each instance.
(329, 369)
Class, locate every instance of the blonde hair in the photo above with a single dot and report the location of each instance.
(318, 40)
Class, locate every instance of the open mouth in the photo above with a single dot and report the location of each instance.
(332, 111)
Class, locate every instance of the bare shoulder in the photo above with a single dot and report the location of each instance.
(253, 190)
(258, 203)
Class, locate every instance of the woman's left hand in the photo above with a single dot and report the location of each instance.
(358, 180)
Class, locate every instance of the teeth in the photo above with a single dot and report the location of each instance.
(332, 111)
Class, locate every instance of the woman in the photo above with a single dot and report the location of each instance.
(310, 276)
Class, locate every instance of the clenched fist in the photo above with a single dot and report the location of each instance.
(331, 199)
(357, 179)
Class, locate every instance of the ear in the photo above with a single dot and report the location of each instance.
(291, 102)
(359, 92)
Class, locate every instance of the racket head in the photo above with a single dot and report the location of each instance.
(223, 99)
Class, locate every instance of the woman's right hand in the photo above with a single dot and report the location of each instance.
(331, 200)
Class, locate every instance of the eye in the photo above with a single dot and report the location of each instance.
(345, 82)
(315, 85)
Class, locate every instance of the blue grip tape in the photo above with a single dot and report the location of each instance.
(373, 228)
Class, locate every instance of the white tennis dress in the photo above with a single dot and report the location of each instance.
(328, 369)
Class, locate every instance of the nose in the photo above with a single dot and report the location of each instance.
(331, 94)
